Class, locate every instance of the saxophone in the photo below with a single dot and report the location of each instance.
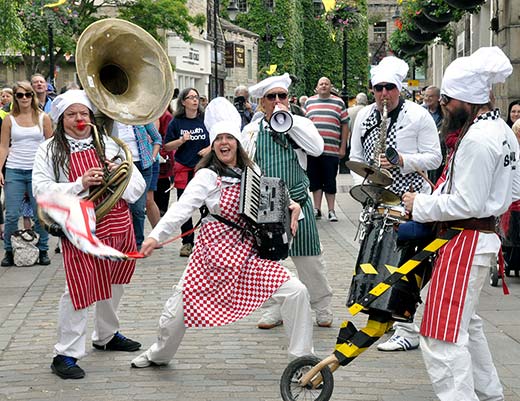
(380, 145)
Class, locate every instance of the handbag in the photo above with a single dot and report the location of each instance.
(24, 247)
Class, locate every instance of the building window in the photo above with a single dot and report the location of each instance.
(242, 6)
(249, 63)
(380, 30)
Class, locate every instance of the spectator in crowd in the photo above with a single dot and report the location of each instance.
(360, 102)
(144, 142)
(188, 136)
(301, 101)
(22, 132)
(329, 115)
(432, 96)
(162, 194)
(39, 85)
(173, 103)
(513, 112)
(245, 108)
(6, 97)
(203, 101)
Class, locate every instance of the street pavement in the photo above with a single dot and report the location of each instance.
(236, 362)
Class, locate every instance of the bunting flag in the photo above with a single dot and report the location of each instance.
(272, 69)
(57, 4)
(328, 4)
(77, 219)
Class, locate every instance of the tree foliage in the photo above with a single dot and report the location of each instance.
(24, 24)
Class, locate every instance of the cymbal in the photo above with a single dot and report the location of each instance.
(376, 193)
(375, 174)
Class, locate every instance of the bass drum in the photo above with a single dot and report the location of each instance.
(379, 256)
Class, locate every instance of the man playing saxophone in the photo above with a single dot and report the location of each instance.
(407, 129)
(73, 162)
(410, 130)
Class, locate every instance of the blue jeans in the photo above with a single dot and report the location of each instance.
(138, 208)
(17, 183)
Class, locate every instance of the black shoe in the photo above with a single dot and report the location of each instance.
(8, 259)
(44, 259)
(66, 368)
(119, 343)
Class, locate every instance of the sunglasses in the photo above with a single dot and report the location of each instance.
(388, 87)
(272, 96)
(192, 97)
(445, 99)
(20, 95)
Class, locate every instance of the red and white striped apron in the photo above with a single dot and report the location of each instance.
(447, 293)
(225, 279)
(89, 278)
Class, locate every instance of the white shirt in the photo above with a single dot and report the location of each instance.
(125, 132)
(303, 132)
(417, 139)
(201, 190)
(44, 180)
(485, 181)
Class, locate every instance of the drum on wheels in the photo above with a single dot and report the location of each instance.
(380, 254)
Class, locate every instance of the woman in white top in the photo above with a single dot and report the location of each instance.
(22, 132)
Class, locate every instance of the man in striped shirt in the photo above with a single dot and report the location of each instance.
(329, 115)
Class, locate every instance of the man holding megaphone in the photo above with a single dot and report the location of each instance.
(279, 143)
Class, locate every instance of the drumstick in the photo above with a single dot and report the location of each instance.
(423, 175)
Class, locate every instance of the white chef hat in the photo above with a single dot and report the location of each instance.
(278, 81)
(63, 101)
(391, 70)
(221, 117)
(470, 79)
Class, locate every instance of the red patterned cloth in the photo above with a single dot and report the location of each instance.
(447, 293)
(225, 279)
(89, 279)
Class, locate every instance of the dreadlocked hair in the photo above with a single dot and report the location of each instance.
(59, 148)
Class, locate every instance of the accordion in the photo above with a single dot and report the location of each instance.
(264, 203)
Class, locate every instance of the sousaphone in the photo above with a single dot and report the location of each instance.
(128, 77)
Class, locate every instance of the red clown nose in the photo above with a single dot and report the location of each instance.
(81, 125)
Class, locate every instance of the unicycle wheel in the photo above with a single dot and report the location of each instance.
(292, 390)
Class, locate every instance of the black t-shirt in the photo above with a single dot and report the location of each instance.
(187, 153)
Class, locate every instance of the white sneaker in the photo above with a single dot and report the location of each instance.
(332, 216)
(324, 319)
(399, 343)
(267, 323)
(142, 361)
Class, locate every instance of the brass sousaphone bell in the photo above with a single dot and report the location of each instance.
(128, 77)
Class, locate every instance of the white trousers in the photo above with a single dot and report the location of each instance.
(464, 371)
(292, 296)
(72, 324)
(312, 272)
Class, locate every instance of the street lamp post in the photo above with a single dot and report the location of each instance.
(50, 34)
(216, 6)
(344, 90)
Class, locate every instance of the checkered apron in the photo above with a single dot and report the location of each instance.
(225, 279)
(371, 135)
(89, 279)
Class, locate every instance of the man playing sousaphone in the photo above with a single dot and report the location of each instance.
(411, 131)
(70, 163)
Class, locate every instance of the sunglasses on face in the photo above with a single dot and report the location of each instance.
(445, 99)
(272, 96)
(388, 87)
(20, 95)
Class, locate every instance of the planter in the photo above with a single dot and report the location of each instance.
(411, 47)
(419, 36)
(465, 4)
(429, 13)
(427, 25)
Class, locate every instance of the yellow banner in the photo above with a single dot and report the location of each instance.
(272, 69)
(57, 4)
(329, 4)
